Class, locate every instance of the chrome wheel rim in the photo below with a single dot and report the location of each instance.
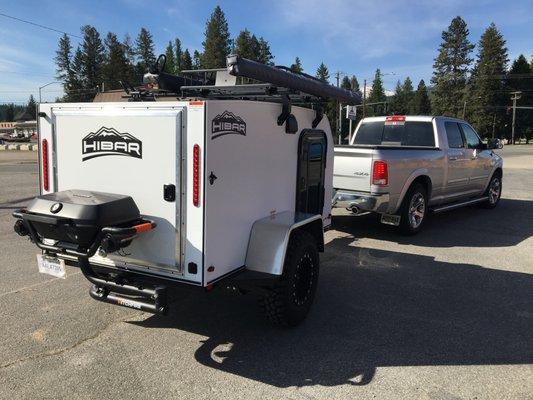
(494, 191)
(417, 210)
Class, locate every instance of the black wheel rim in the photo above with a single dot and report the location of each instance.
(303, 280)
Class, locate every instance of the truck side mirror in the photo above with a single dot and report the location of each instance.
(493, 143)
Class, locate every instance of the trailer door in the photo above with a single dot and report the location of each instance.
(132, 150)
(311, 172)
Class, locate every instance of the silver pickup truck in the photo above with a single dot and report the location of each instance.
(404, 166)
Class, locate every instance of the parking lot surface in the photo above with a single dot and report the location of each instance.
(447, 314)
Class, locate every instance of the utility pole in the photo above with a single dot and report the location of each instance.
(364, 99)
(464, 109)
(516, 96)
(338, 75)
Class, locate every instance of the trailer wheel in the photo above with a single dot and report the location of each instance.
(289, 301)
(414, 210)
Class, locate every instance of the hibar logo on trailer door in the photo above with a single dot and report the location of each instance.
(110, 142)
(227, 123)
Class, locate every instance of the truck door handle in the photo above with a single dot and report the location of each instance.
(453, 158)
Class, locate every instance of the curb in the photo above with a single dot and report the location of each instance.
(18, 147)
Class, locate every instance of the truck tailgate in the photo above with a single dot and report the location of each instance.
(352, 169)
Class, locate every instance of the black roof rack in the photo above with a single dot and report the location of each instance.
(241, 79)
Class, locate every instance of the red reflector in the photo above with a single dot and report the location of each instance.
(196, 175)
(44, 164)
(395, 118)
(380, 173)
(143, 227)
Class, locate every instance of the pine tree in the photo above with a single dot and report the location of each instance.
(186, 61)
(297, 66)
(196, 60)
(217, 43)
(144, 49)
(247, 45)
(408, 96)
(129, 52)
(76, 88)
(116, 66)
(450, 69)
(322, 73)
(10, 112)
(63, 58)
(377, 95)
(92, 60)
(31, 107)
(265, 55)
(178, 56)
(170, 65)
(396, 103)
(520, 79)
(487, 99)
(421, 102)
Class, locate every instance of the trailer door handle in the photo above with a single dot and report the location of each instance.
(169, 192)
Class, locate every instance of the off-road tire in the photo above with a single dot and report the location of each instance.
(288, 301)
(416, 191)
(493, 202)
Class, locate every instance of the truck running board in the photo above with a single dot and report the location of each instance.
(453, 206)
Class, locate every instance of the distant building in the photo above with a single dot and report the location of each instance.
(7, 128)
(25, 125)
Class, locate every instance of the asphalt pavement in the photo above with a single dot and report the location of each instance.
(447, 314)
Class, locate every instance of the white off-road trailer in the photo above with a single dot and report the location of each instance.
(143, 195)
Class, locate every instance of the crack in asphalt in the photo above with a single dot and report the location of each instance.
(56, 352)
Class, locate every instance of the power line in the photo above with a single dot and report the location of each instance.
(39, 25)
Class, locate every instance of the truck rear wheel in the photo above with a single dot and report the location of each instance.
(414, 210)
(289, 301)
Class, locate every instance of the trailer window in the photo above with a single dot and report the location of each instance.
(410, 133)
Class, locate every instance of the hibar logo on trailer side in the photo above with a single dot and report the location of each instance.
(110, 142)
(227, 123)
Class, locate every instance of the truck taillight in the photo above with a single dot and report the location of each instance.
(196, 175)
(380, 173)
(395, 118)
(44, 164)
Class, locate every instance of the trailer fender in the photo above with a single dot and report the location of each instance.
(270, 236)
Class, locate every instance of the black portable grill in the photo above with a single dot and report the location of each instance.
(80, 222)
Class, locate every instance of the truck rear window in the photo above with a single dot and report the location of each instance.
(410, 133)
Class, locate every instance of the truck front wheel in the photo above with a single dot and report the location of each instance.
(289, 301)
(414, 210)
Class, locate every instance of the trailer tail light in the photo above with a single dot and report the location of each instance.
(196, 175)
(380, 173)
(44, 164)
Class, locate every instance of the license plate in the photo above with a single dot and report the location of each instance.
(390, 219)
(51, 266)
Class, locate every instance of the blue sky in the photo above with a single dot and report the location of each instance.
(354, 37)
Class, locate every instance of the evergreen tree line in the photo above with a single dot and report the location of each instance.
(10, 111)
(478, 90)
(98, 64)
